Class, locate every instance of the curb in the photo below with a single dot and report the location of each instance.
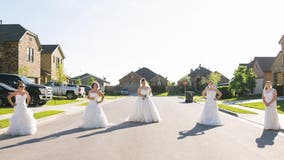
(229, 112)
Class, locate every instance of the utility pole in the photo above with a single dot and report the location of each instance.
(0, 21)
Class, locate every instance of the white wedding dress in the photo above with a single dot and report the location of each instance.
(271, 117)
(145, 109)
(210, 114)
(94, 116)
(22, 121)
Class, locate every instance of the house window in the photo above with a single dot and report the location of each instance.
(30, 54)
(159, 83)
(53, 59)
(57, 62)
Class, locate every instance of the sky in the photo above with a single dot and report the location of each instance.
(110, 38)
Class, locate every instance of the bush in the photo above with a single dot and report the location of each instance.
(158, 89)
(279, 89)
(226, 92)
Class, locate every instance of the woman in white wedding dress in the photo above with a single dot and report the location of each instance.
(145, 109)
(94, 116)
(210, 114)
(269, 96)
(22, 121)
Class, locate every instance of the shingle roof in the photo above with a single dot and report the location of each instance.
(11, 32)
(200, 71)
(265, 62)
(88, 75)
(49, 48)
(146, 73)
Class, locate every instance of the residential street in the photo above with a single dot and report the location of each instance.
(176, 137)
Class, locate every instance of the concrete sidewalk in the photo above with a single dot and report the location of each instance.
(255, 118)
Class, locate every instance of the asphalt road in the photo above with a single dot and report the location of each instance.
(176, 137)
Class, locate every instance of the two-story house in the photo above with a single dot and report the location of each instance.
(19, 51)
(51, 57)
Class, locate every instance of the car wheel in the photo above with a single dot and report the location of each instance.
(42, 103)
(70, 95)
(34, 101)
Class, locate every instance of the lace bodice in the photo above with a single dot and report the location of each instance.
(210, 94)
(268, 95)
(21, 99)
(94, 95)
(144, 91)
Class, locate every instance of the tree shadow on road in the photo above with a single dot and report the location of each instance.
(197, 130)
(41, 139)
(267, 138)
(120, 126)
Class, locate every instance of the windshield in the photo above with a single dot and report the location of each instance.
(26, 80)
(7, 87)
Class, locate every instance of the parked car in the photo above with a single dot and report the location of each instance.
(59, 89)
(82, 91)
(4, 92)
(124, 91)
(39, 94)
(87, 88)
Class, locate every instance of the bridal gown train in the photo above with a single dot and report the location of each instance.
(22, 121)
(210, 114)
(145, 110)
(94, 116)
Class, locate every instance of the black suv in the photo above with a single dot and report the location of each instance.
(39, 94)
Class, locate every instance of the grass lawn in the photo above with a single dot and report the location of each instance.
(106, 97)
(162, 94)
(235, 110)
(241, 98)
(260, 105)
(55, 102)
(5, 122)
(6, 110)
(198, 99)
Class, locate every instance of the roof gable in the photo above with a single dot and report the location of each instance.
(265, 63)
(13, 33)
(50, 48)
(146, 73)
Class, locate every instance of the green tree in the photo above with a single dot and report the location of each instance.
(215, 77)
(243, 81)
(91, 81)
(61, 74)
(78, 81)
(250, 79)
(23, 71)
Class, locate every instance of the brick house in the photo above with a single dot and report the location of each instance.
(202, 72)
(85, 77)
(19, 51)
(261, 66)
(51, 57)
(278, 67)
(131, 80)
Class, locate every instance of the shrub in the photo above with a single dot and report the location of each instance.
(279, 89)
(226, 92)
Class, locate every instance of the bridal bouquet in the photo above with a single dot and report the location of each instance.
(144, 96)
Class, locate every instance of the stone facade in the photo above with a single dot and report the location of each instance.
(13, 56)
(131, 82)
(33, 67)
